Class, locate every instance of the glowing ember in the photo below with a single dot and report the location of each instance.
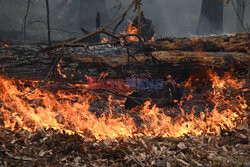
(5, 45)
(105, 40)
(132, 30)
(68, 112)
(152, 39)
(59, 70)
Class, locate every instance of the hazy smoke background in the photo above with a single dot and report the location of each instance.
(170, 17)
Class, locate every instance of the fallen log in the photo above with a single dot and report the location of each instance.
(175, 58)
(179, 57)
(180, 64)
(177, 63)
(212, 43)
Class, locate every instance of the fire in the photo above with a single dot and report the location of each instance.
(132, 30)
(152, 39)
(105, 40)
(59, 70)
(4, 44)
(103, 75)
(70, 112)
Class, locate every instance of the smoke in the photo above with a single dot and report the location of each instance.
(174, 17)
(170, 17)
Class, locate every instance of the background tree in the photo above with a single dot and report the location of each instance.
(80, 13)
(87, 10)
(241, 7)
(211, 17)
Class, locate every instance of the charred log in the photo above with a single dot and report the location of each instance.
(35, 65)
(212, 43)
(28, 62)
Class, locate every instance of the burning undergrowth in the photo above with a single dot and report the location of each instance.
(76, 110)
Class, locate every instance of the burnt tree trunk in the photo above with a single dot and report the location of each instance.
(211, 17)
(87, 10)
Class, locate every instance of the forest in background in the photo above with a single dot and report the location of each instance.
(170, 18)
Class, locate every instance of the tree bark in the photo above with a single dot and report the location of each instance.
(179, 64)
(211, 17)
(48, 21)
(213, 43)
(187, 56)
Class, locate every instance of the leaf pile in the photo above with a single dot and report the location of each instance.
(51, 148)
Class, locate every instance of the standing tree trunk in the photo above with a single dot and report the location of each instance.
(211, 17)
(241, 5)
(87, 13)
(48, 22)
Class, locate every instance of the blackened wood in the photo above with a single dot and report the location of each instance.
(211, 43)
(35, 65)
(179, 57)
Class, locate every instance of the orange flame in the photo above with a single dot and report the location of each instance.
(132, 30)
(105, 40)
(69, 112)
(59, 70)
(152, 39)
(5, 45)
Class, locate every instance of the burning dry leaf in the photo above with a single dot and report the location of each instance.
(78, 128)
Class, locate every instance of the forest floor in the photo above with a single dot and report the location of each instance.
(51, 148)
(48, 147)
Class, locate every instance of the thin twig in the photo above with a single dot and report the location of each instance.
(120, 36)
(99, 30)
(119, 23)
(182, 162)
(23, 29)
(104, 27)
(238, 16)
(139, 17)
(48, 22)
(132, 158)
(122, 19)
(24, 158)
